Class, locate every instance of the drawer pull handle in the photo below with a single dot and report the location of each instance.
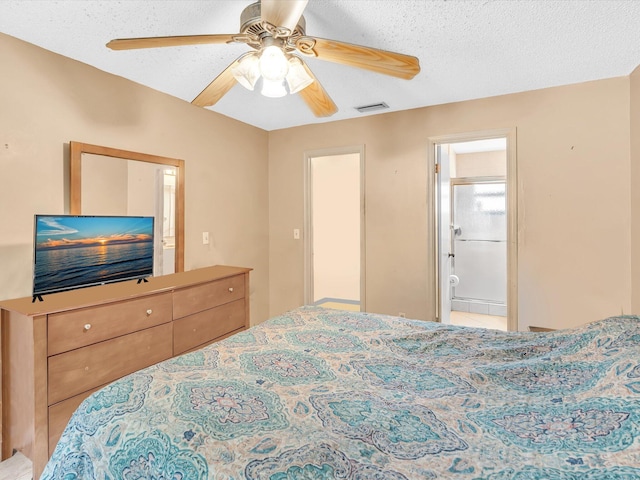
(149, 312)
(231, 289)
(87, 327)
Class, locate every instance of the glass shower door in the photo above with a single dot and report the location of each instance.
(479, 244)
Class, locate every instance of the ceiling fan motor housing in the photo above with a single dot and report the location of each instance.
(251, 23)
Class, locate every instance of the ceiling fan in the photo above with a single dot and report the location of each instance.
(275, 29)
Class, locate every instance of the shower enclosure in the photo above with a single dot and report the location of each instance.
(479, 246)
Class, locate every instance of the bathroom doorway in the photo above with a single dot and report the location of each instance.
(474, 179)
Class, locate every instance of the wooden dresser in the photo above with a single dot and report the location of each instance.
(57, 352)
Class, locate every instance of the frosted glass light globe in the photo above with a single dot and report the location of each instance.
(273, 88)
(273, 63)
(247, 71)
(297, 78)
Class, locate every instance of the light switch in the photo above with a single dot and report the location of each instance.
(205, 238)
(296, 234)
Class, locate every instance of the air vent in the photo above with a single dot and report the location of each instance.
(373, 107)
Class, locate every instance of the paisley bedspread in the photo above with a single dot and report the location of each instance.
(324, 394)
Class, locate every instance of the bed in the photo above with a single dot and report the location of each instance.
(323, 394)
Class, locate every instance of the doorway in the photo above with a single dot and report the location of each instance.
(334, 229)
(475, 220)
(168, 227)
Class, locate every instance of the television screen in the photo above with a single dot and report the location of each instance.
(73, 251)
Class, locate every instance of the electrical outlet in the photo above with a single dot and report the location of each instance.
(205, 238)
(296, 234)
(402, 314)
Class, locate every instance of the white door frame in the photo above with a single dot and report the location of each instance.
(512, 214)
(443, 206)
(308, 224)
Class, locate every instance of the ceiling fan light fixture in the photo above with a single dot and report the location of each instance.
(297, 78)
(247, 72)
(273, 88)
(273, 63)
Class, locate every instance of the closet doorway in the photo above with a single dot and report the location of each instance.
(475, 220)
(334, 228)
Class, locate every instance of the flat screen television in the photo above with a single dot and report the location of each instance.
(75, 251)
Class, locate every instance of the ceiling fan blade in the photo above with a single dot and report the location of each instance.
(282, 13)
(317, 98)
(380, 61)
(216, 89)
(176, 41)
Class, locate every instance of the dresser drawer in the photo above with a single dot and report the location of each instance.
(78, 328)
(201, 328)
(60, 414)
(187, 301)
(74, 372)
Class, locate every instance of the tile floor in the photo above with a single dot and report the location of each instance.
(468, 319)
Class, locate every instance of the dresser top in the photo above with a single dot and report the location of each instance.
(90, 296)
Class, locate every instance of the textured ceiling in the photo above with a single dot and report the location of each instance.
(467, 49)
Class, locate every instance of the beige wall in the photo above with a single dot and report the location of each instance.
(635, 189)
(481, 164)
(48, 100)
(573, 194)
(575, 200)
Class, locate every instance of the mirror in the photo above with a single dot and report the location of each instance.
(109, 181)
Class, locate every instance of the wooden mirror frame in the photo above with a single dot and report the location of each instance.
(75, 184)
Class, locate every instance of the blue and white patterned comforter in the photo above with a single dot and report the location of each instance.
(323, 394)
